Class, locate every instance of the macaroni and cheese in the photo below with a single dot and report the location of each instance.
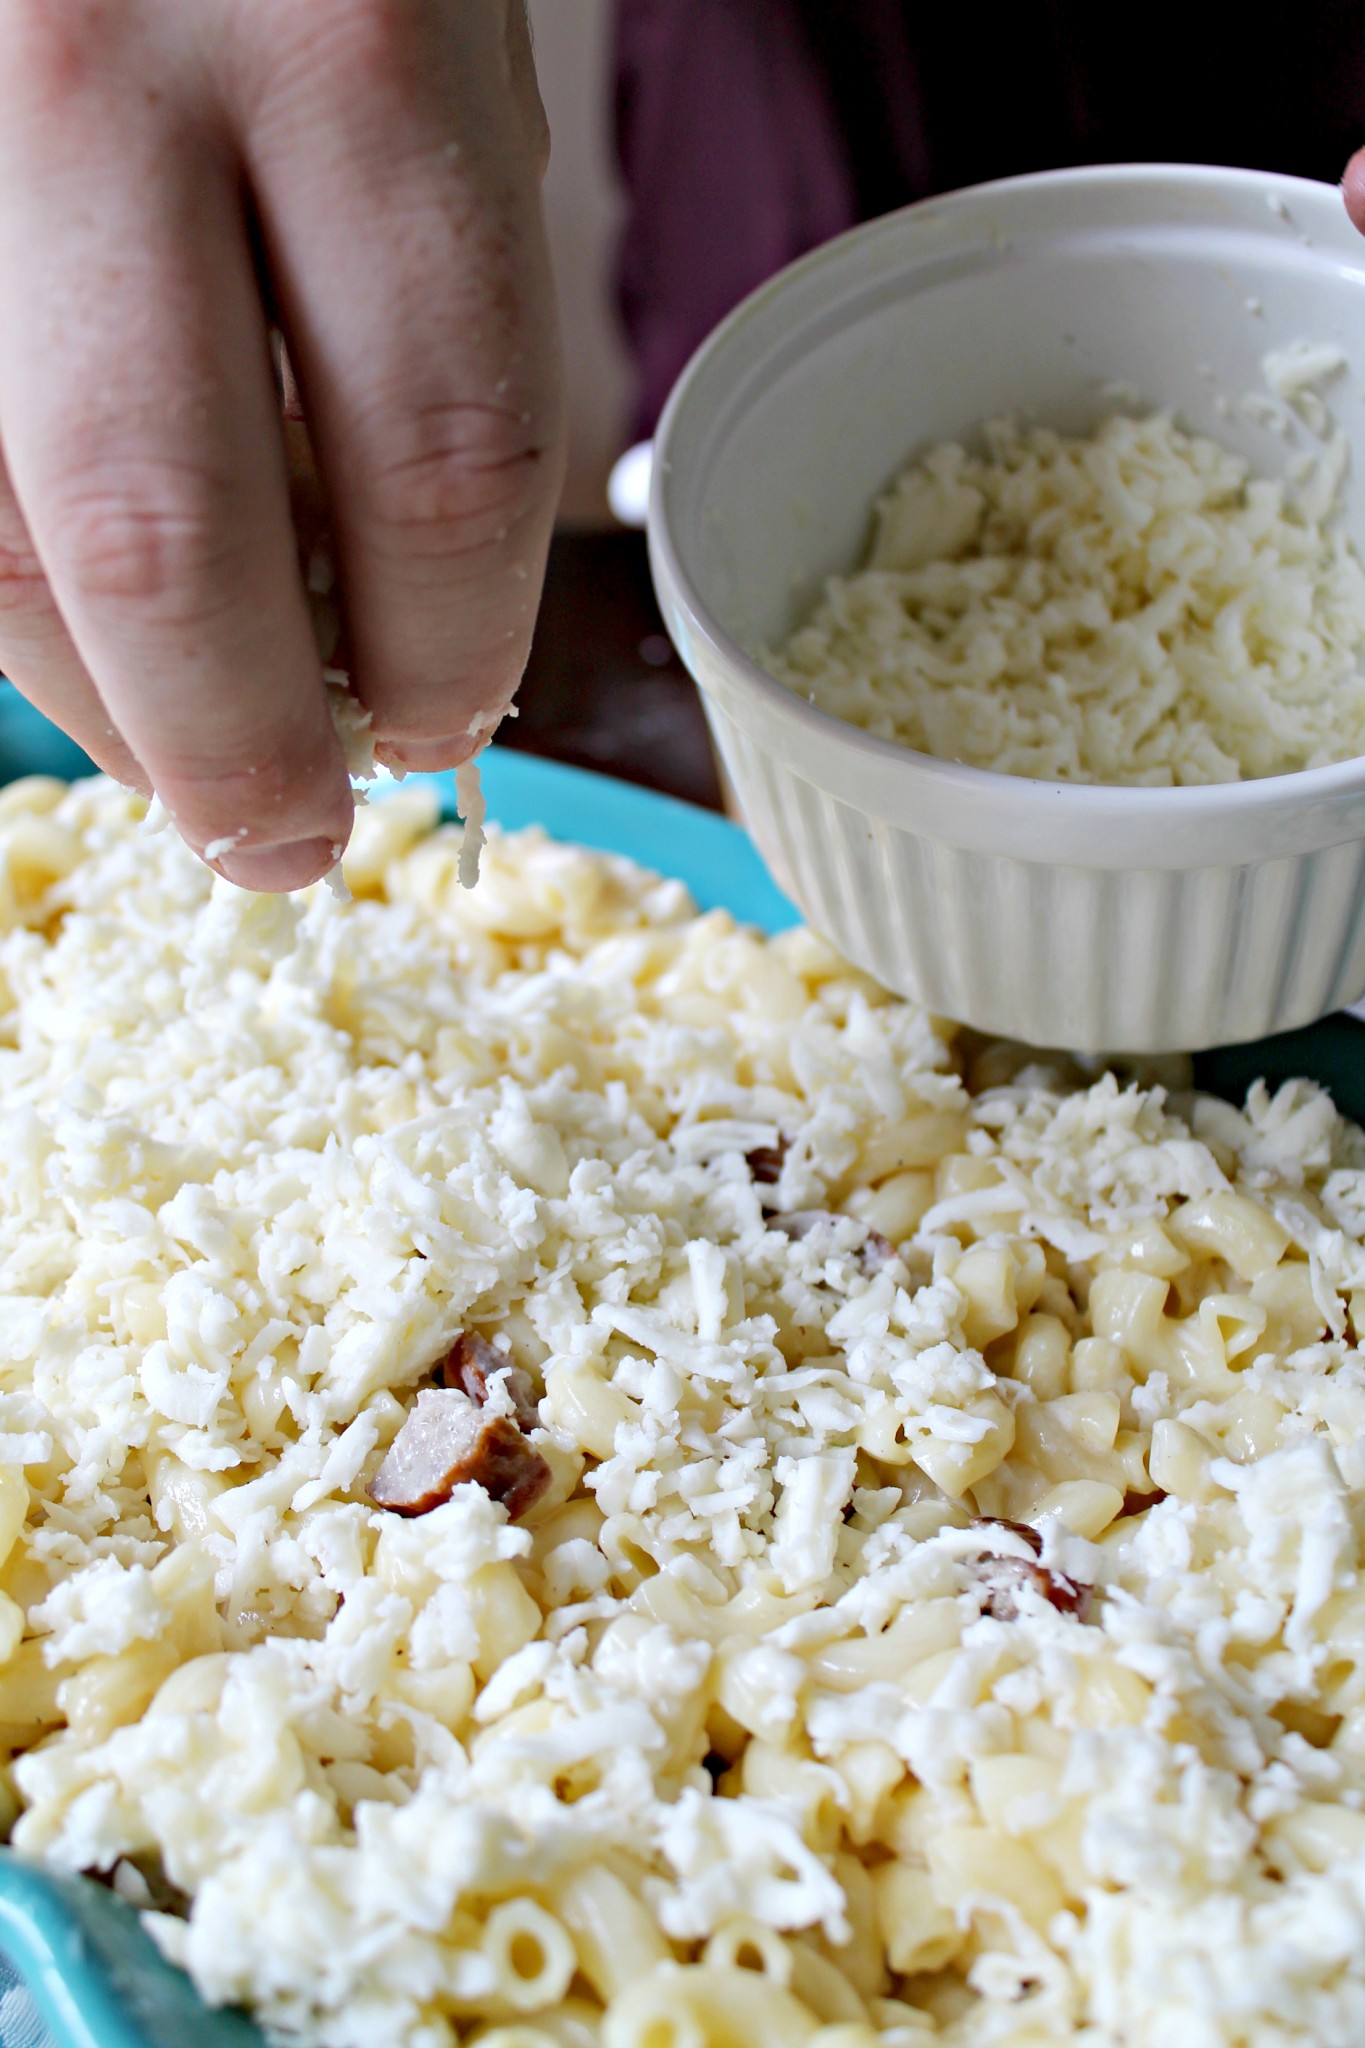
(930, 1608)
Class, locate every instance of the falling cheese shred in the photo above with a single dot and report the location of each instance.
(474, 812)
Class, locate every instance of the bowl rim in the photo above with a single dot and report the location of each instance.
(774, 707)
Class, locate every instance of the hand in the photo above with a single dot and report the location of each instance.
(174, 176)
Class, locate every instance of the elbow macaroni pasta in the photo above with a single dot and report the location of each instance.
(943, 1620)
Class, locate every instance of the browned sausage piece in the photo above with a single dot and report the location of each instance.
(1025, 1530)
(471, 1363)
(765, 1162)
(1001, 1580)
(448, 1440)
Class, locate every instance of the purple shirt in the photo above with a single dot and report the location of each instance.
(750, 130)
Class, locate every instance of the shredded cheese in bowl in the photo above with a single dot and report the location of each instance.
(1128, 606)
(570, 1474)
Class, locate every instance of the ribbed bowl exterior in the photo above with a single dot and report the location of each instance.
(1101, 919)
(1094, 959)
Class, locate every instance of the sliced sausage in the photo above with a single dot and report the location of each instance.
(448, 1440)
(471, 1363)
(1001, 1580)
(1024, 1530)
(765, 1162)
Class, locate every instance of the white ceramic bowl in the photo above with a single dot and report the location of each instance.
(1102, 919)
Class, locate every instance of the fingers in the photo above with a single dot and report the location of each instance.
(37, 655)
(407, 251)
(1353, 189)
(144, 447)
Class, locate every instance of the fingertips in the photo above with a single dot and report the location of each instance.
(427, 756)
(276, 869)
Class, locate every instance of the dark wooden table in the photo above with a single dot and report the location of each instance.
(604, 688)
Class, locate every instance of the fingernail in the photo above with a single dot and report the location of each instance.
(278, 868)
(425, 756)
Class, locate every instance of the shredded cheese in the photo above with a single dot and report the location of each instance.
(473, 811)
(1128, 606)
